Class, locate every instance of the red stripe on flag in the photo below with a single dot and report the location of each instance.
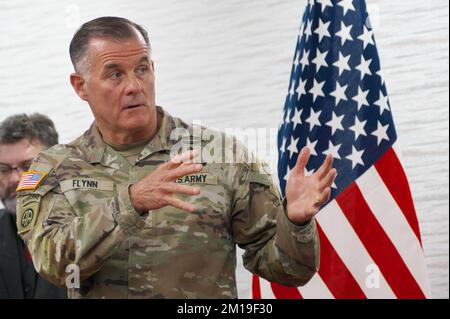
(391, 172)
(256, 287)
(283, 292)
(334, 273)
(378, 244)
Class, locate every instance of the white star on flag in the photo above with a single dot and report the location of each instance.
(296, 119)
(335, 123)
(383, 102)
(356, 157)
(361, 98)
(287, 116)
(381, 133)
(333, 150)
(300, 31)
(305, 59)
(296, 62)
(301, 90)
(364, 67)
(322, 30)
(283, 146)
(308, 31)
(367, 37)
(312, 146)
(346, 5)
(292, 148)
(344, 33)
(324, 4)
(342, 63)
(288, 173)
(313, 119)
(358, 128)
(292, 90)
(339, 93)
(319, 60)
(317, 90)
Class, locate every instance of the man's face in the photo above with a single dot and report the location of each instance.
(120, 85)
(19, 157)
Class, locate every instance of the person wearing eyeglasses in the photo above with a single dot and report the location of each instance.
(22, 138)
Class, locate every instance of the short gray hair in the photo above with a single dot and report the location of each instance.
(36, 128)
(115, 28)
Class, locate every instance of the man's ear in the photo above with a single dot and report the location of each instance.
(78, 82)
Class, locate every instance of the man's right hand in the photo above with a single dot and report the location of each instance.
(157, 190)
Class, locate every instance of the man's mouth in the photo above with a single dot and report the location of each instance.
(133, 106)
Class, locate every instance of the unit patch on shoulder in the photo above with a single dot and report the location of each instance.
(27, 214)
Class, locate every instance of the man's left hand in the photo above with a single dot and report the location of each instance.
(306, 194)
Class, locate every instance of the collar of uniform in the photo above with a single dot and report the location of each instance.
(161, 141)
(94, 145)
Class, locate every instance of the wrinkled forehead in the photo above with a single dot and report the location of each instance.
(103, 51)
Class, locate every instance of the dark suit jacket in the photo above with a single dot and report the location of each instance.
(18, 278)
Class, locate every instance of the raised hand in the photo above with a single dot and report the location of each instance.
(157, 190)
(306, 194)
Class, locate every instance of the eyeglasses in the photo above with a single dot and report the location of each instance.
(6, 170)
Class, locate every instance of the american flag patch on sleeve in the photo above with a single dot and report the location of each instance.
(30, 180)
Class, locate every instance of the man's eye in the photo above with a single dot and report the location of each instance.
(142, 70)
(5, 170)
(115, 75)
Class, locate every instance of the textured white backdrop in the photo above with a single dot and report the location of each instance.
(227, 63)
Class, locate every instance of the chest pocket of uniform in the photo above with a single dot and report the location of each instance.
(84, 193)
(210, 218)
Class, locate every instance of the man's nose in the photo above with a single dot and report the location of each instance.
(14, 178)
(133, 86)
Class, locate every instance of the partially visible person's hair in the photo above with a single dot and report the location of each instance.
(36, 128)
(104, 27)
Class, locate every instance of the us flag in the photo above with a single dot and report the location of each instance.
(30, 180)
(338, 103)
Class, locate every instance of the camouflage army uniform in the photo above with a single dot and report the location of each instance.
(83, 216)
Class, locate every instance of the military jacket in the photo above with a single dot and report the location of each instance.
(79, 221)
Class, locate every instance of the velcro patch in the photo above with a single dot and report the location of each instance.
(200, 178)
(263, 179)
(30, 180)
(86, 183)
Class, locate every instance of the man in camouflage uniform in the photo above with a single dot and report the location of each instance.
(139, 223)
